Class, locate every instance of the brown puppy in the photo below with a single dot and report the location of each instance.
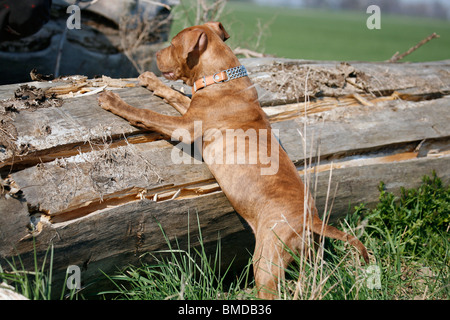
(237, 144)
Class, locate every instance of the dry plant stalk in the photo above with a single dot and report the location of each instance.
(396, 57)
(204, 11)
(315, 257)
(209, 12)
(311, 285)
(136, 30)
(248, 53)
(262, 30)
(156, 3)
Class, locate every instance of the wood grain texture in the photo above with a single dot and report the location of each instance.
(100, 190)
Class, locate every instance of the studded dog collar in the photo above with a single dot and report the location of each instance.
(222, 76)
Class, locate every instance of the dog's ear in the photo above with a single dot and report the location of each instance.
(218, 28)
(196, 43)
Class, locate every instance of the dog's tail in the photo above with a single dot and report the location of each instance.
(331, 232)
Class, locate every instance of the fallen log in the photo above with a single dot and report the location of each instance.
(83, 180)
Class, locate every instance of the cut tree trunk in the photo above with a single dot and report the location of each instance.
(99, 190)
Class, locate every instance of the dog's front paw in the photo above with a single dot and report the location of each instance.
(106, 100)
(150, 80)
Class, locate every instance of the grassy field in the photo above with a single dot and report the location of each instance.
(327, 35)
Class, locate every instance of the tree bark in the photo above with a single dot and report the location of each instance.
(99, 190)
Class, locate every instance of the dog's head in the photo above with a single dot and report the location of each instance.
(182, 59)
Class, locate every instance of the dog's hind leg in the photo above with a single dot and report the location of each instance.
(270, 261)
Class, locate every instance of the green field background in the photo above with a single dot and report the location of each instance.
(327, 35)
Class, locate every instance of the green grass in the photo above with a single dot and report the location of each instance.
(36, 284)
(407, 238)
(178, 274)
(327, 35)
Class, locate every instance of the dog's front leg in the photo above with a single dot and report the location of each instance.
(146, 119)
(176, 99)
